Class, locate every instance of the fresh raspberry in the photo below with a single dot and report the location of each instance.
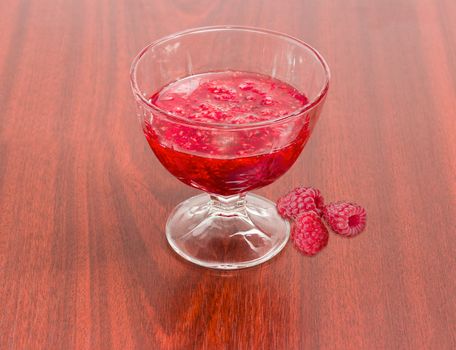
(300, 200)
(346, 219)
(309, 234)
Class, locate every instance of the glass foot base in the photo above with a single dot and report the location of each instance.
(242, 234)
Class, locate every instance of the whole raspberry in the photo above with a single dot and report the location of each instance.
(346, 219)
(300, 200)
(309, 234)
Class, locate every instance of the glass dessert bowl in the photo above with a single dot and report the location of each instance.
(228, 110)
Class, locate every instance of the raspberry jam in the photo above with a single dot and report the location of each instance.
(222, 159)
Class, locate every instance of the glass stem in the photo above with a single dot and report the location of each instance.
(228, 205)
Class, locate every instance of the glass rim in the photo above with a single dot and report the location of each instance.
(309, 106)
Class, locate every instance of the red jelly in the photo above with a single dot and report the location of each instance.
(219, 139)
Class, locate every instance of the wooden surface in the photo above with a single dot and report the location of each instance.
(84, 263)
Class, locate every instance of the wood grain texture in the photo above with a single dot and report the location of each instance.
(84, 262)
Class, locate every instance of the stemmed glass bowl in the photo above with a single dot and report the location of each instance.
(226, 227)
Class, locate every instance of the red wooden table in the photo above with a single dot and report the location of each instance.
(84, 262)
